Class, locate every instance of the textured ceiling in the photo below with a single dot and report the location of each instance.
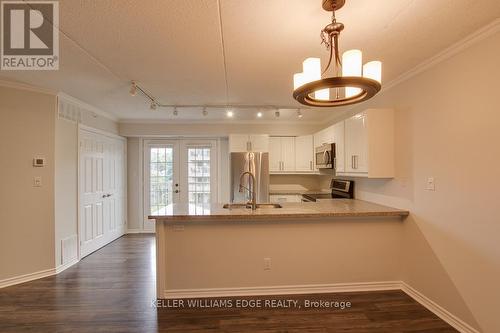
(173, 48)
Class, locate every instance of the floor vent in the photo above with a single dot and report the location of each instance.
(69, 249)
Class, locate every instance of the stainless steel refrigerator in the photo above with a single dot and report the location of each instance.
(258, 164)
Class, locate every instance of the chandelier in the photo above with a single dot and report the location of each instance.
(351, 83)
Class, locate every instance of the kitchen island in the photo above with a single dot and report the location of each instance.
(214, 251)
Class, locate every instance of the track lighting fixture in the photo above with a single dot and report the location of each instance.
(277, 114)
(229, 113)
(205, 112)
(259, 114)
(175, 111)
(299, 114)
(133, 89)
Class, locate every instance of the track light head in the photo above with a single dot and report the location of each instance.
(133, 89)
(277, 114)
(299, 114)
(205, 112)
(175, 113)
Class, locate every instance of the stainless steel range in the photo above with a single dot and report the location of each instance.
(341, 189)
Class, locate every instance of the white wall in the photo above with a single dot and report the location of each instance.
(447, 127)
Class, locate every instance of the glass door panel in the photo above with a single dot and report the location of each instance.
(161, 182)
(199, 178)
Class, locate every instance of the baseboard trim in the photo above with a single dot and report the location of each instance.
(139, 231)
(64, 267)
(282, 290)
(439, 311)
(26, 278)
(430, 305)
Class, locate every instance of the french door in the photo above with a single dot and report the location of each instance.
(179, 171)
(102, 190)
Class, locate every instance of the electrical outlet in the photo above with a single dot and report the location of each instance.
(37, 181)
(431, 184)
(267, 264)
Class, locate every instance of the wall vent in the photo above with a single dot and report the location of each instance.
(69, 249)
(69, 111)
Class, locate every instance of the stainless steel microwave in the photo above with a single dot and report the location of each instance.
(325, 156)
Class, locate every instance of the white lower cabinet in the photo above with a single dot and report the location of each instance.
(279, 198)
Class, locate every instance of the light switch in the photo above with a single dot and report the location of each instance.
(431, 185)
(37, 181)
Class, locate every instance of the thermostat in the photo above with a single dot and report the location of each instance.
(39, 162)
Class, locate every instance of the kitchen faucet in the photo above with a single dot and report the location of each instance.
(252, 190)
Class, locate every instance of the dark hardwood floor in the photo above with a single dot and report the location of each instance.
(113, 290)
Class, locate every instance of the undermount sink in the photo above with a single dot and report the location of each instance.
(249, 206)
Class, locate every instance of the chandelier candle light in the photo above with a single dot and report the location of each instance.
(356, 84)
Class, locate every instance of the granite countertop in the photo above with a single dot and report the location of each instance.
(184, 213)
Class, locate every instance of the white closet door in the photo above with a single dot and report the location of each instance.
(101, 186)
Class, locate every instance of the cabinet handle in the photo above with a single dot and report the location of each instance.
(354, 161)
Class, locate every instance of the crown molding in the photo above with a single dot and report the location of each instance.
(87, 106)
(27, 87)
(218, 122)
(463, 44)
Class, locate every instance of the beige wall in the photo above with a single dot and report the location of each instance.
(66, 183)
(447, 121)
(134, 184)
(316, 252)
(27, 121)
(296, 182)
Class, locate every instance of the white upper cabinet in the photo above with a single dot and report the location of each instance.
(288, 153)
(338, 139)
(369, 144)
(282, 154)
(356, 144)
(304, 153)
(259, 142)
(274, 154)
(245, 142)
